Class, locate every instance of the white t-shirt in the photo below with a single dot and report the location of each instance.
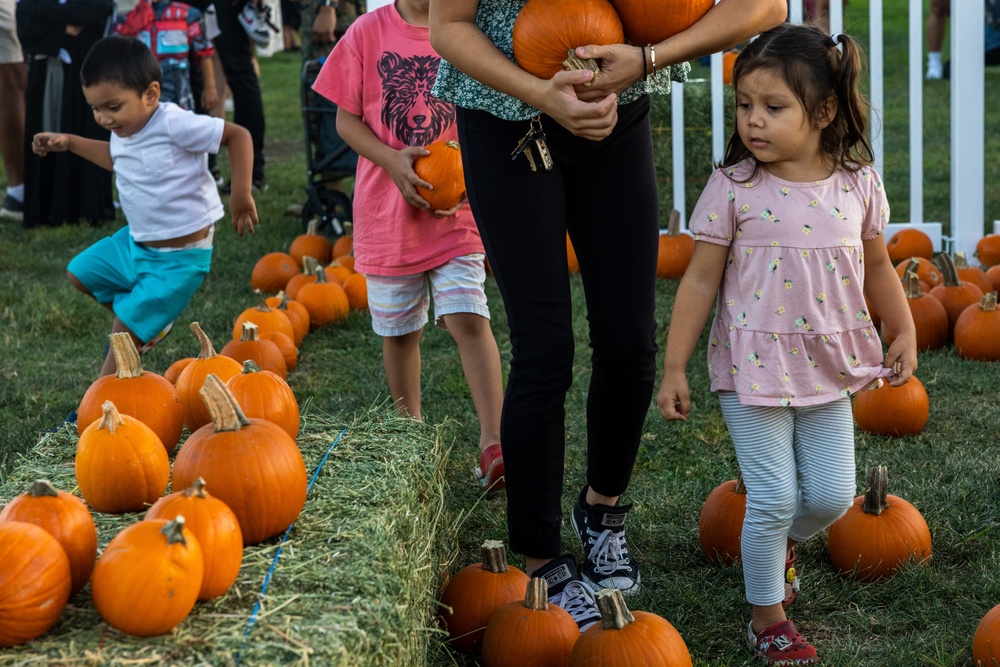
(162, 174)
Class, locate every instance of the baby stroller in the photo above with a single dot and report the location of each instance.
(328, 158)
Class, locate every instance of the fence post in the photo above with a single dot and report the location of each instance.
(968, 46)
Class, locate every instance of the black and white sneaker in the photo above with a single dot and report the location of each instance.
(601, 529)
(255, 17)
(568, 591)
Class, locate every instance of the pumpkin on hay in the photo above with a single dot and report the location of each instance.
(547, 32)
(954, 294)
(148, 577)
(214, 526)
(263, 394)
(311, 243)
(190, 380)
(675, 249)
(892, 411)
(720, 525)
(442, 168)
(909, 242)
(930, 319)
(35, 582)
(264, 352)
(986, 641)
(652, 21)
(626, 637)
(250, 464)
(530, 632)
(476, 592)
(273, 271)
(977, 330)
(147, 396)
(121, 465)
(66, 518)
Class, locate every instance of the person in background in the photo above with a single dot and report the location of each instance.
(408, 253)
(13, 81)
(601, 177)
(147, 272)
(937, 23)
(291, 24)
(817, 12)
(788, 245)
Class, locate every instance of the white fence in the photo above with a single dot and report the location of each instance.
(967, 118)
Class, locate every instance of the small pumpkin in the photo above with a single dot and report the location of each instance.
(344, 245)
(547, 32)
(296, 313)
(121, 465)
(174, 371)
(286, 346)
(250, 464)
(265, 395)
(148, 577)
(35, 582)
(925, 269)
(879, 534)
(720, 525)
(986, 641)
(977, 330)
(993, 273)
(325, 300)
(147, 396)
(675, 249)
(266, 318)
(892, 411)
(652, 21)
(214, 526)
(311, 243)
(954, 294)
(190, 380)
(930, 319)
(988, 250)
(531, 632)
(571, 260)
(356, 287)
(476, 592)
(66, 518)
(272, 271)
(626, 637)
(973, 274)
(261, 350)
(442, 168)
(909, 242)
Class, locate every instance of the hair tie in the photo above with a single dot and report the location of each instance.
(835, 38)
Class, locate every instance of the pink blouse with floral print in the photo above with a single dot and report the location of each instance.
(791, 325)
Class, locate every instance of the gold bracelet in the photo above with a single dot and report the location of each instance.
(652, 57)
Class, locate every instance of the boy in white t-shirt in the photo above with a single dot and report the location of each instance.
(147, 272)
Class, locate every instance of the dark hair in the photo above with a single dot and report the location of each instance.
(814, 68)
(121, 60)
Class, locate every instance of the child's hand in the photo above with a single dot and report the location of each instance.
(400, 168)
(902, 359)
(674, 397)
(244, 212)
(49, 142)
(451, 211)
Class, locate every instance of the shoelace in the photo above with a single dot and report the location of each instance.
(609, 553)
(578, 599)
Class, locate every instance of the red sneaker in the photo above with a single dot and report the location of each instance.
(791, 581)
(781, 645)
(489, 474)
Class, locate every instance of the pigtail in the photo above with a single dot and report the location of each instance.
(847, 136)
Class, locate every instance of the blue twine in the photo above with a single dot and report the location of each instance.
(277, 555)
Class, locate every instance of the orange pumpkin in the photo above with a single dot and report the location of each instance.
(442, 168)
(993, 273)
(675, 249)
(263, 394)
(546, 33)
(121, 465)
(191, 378)
(147, 396)
(476, 592)
(720, 525)
(652, 21)
(728, 61)
(250, 464)
(909, 242)
(356, 287)
(311, 243)
(972, 274)
(272, 271)
(266, 318)
(174, 371)
(530, 633)
(954, 294)
(64, 517)
(879, 534)
(925, 269)
(287, 348)
(893, 411)
(326, 301)
(261, 350)
(626, 637)
(344, 245)
(35, 582)
(296, 313)
(148, 577)
(986, 641)
(977, 330)
(214, 526)
(571, 260)
(988, 250)
(929, 317)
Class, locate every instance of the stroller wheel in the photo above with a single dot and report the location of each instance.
(331, 207)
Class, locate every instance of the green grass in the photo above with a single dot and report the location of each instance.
(51, 340)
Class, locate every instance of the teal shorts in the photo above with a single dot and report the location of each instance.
(146, 287)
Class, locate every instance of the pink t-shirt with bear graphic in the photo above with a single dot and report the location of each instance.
(383, 69)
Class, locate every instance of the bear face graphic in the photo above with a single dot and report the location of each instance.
(409, 110)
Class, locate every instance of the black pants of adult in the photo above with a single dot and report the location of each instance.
(236, 55)
(604, 194)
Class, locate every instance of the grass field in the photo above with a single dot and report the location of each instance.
(51, 340)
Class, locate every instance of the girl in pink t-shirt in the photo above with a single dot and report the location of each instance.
(788, 237)
(380, 76)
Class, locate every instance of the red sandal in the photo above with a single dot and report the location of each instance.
(490, 472)
(781, 645)
(791, 581)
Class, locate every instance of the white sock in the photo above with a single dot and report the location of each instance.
(16, 191)
(933, 58)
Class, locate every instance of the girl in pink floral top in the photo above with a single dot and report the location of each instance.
(789, 239)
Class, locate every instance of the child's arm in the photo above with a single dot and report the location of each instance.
(692, 304)
(209, 94)
(237, 141)
(98, 152)
(885, 292)
(399, 164)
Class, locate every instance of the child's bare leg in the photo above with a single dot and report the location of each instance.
(481, 365)
(401, 358)
(110, 367)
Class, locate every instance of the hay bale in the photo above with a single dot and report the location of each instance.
(353, 585)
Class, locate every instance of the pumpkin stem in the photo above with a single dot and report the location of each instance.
(614, 612)
(947, 266)
(43, 488)
(876, 491)
(674, 223)
(989, 301)
(250, 333)
(222, 406)
(321, 275)
(196, 490)
(494, 556)
(174, 530)
(960, 261)
(574, 61)
(111, 419)
(740, 486)
(536, 597)
(262, 302)
(911, 285)
(310, 265)
(312, 227)
(250, 366)
(451, 143)
(126, 356)
(207, 351)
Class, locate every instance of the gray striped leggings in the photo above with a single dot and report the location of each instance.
(798, 467)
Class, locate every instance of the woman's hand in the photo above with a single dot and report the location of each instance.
(621, 66)
(593, 120)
